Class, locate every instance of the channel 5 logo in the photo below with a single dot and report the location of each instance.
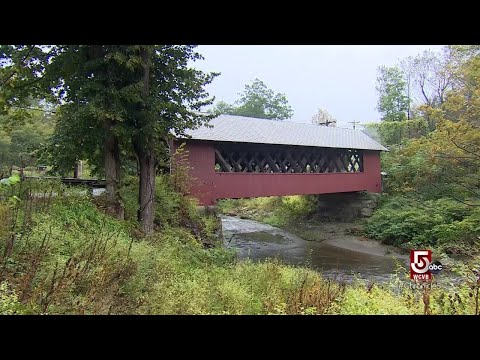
(421, 265)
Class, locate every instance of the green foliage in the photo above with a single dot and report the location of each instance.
(463, 103)
(359, 300)
(118, 102)
(77, 260)
(22, 145)
(181, 170)
(244, 288)
(9, 304)
(74, 259)
(14, 179)
(393, 102)
(443, 164)
(397, 132)
(22, 78)
(172, 209)
(258, 101)
(445, 224)
(275, 210)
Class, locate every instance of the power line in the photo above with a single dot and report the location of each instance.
(354, 122)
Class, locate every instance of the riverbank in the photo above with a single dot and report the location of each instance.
(345, 235)
(344, 258)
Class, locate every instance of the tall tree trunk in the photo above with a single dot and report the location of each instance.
(112, 175)
(146, 157)
(146, 191)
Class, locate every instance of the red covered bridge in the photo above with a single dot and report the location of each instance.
(242, 157)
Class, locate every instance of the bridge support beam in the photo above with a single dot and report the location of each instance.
(346, 207)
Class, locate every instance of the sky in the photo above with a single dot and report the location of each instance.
(338, 78)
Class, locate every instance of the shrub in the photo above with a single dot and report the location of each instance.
(359, 300)
(9, 304)
(441, 223)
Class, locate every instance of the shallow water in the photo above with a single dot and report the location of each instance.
(341, 256)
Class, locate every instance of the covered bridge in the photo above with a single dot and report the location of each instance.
(241, 157)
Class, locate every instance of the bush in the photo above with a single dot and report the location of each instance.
(172, 209)
(359, 300)
(441, 223)
(9, 304)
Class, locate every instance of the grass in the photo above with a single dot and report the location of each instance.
(72, 258)
(69, 257)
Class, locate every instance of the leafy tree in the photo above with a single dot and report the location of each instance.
(222, 107)
(119, 100)
(171, 96)
(132, 99)
(96, 85)
(464, 102)
(324, 118)
(397, 132)
(445, 163)
(22, 67)
(258, 101)
(22, 145)
(393, 102)
(434, 159)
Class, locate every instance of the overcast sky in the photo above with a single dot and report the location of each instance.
(338, 78)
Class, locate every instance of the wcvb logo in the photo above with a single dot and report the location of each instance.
(421, 266)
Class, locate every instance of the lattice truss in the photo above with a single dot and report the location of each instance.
(285, 159)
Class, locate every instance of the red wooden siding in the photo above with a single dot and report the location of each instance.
(208, 185)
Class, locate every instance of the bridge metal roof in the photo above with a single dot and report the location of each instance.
(242, 129)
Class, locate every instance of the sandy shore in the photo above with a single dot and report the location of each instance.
(337, 234)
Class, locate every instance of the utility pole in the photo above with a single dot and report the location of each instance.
(408, 90)
(354, 122)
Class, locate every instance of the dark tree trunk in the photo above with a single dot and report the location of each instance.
(75, 171)
(112, 176)
(111, 152)
(146, 158)
(146, 191)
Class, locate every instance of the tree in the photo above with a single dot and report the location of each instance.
(223, 107)
(393, 102)
(324, 118)
(22, 145)
(445, 163)
(463, 103)
(117, 100)
(397, 132)
(95, 86)
(258, 101)
(171, 96)
(431, 74)
(22, 67)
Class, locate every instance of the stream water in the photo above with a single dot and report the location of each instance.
(339, 255)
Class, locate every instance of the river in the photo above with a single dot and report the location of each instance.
(340, 255)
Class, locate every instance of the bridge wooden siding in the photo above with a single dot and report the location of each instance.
(208, 185)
